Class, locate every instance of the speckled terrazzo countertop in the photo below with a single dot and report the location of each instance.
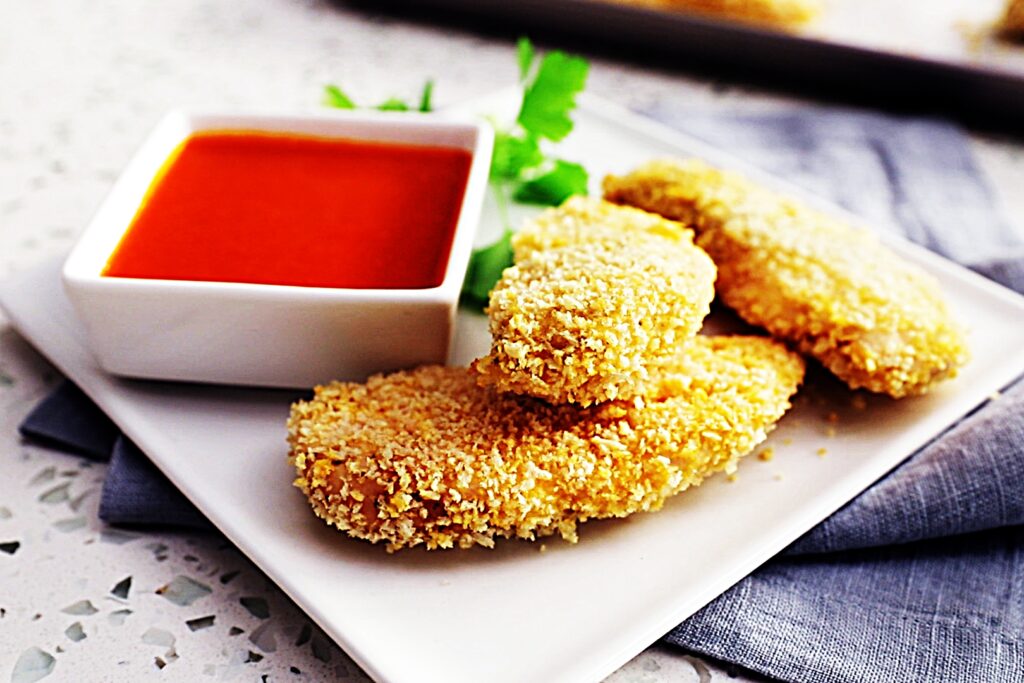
(81, 83)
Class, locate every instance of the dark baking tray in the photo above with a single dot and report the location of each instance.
(802, 61)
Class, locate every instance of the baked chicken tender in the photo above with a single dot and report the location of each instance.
(874, 320)
(429, 457)
(598, 299)
(589, 219)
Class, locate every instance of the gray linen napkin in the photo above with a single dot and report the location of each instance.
(134, 491)
(921, 578)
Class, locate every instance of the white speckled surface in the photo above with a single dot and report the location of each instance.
(81, 83)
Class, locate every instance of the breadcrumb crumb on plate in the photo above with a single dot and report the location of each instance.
(599, 298)
(429, 457)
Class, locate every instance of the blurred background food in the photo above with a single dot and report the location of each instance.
(952, 56)
(1012, 23)
(785, 14)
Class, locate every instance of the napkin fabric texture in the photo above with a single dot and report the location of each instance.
(134, 491)
(920, 578)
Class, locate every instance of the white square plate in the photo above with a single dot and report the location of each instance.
(572, 613)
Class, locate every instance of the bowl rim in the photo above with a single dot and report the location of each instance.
(81, 269)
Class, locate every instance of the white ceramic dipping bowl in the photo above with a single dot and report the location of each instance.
(268, 335)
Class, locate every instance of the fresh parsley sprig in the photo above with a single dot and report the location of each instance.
(336, 97)
(520, 162)
(521, 167)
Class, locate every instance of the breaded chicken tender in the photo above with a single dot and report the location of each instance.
(428, 457)
(599, 298)
(588, 219)
(876, 321)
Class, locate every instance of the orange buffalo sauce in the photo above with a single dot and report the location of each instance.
(242, 206)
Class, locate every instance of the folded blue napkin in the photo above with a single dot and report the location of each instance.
(921, 578)
(134, 491)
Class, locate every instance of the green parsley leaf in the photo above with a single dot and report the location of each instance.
(554, 186)
(512, 153)
(524, 55)
(392, 104)
(425, 97)
(551, 96)
(485, 268)
(334, 97)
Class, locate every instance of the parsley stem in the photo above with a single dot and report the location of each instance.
(501, 196)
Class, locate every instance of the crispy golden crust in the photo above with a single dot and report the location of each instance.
(870, 317)
(588, 219)
(429, 457)
(598, 299)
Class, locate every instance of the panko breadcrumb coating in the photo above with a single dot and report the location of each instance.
(873, 319)
(588, 219)
(428, 456)
(599, 298)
